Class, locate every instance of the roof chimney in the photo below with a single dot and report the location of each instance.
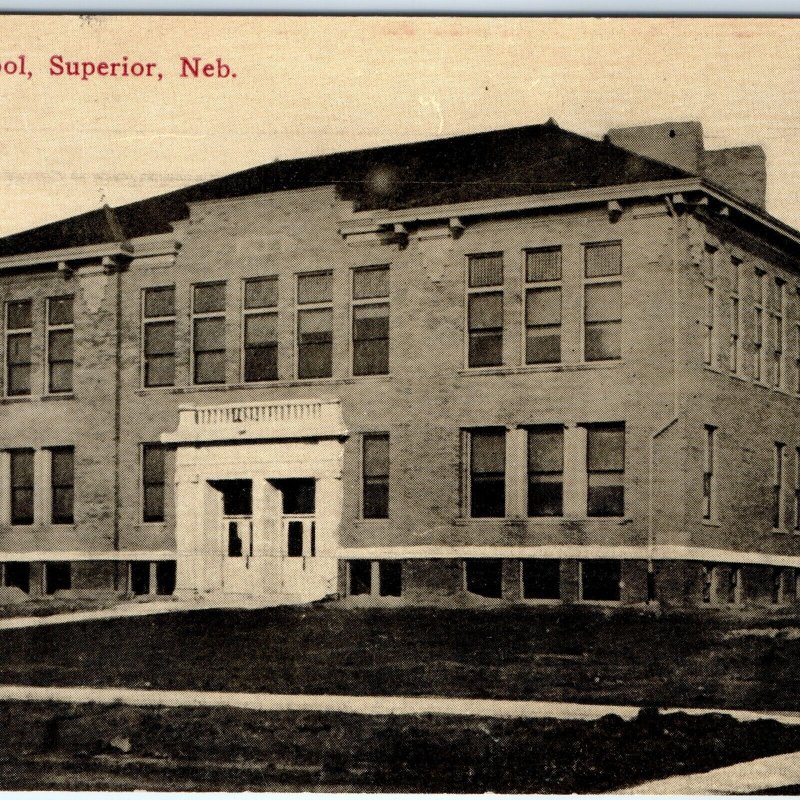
(740, 170)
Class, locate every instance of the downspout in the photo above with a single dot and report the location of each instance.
(651, 584)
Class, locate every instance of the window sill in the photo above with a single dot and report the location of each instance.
(537, 520)
(541, 601)
(30, 398)
(712, 523)
(780, 531)
(60, 396)
(281, 384)
(534, 368)
(600, 602)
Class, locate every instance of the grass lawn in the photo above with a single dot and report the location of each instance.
(576, 654)
(56, 746)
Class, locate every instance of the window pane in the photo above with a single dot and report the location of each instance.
(59, 345)
(603, 302)
(159, 302)
(59, 311)
(209, 334)
(488, 451)
(486, 270)
(159, 338)
(315, 360)
(485, 576)
(22, 468)
(19, 379)
(315, 288)
(545, 495)
(485, 349)
(209, 298)
(295, 539)
(153, 463)
(376, 455)
(543, 265)
(543, 307)
(159, 371)
(153, 510)
(543, 345)
(486, 310)
(209, 367)
(541, 579)
(260, 329)
(605, 447)
(360, 577)
(60, 377)
(315, 326)
(603, 341)
(22, 506)
(371, 322)
(261, 363)
(369, 283)
(63, 504)
(299, 495)
(603, 259)
(390, 574)
(261, 292)
(546, 449)
(19, 348)
(19, 314)
(376, 498)
(371, 357)
(62, 466)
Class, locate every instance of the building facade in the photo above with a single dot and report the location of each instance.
(521, 365)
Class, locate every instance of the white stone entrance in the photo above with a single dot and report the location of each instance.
(258, 498)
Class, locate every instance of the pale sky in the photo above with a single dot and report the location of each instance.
(314, 85)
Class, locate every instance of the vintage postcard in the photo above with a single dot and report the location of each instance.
(395, 404)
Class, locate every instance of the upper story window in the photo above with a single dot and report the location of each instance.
(487, 472)
(735, 344)
(709, 472)
(158, 336)
(208, 333)
(371, 320)
(19, 332)
(605, 464)
(759, 324)
(709, 285)
(543, 305)
(60, 329)
(485, 310)
(777, 314)
(602, 301)
(260, 329)
(315, 325)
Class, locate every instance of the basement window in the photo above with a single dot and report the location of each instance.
(17, 574)
(541, 579)
(600, 579)
(57, 576)
(165, 577)
(360, 577)
(484, 576)
(390, 574)
(140, 577)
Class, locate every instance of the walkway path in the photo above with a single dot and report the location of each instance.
(762, 774)
(140, 610)
(355, 704)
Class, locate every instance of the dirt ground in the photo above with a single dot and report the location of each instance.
(575, 654)
(56, 746)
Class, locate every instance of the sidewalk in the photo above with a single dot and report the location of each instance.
(760, 775)
(141, 610)
(355, 704)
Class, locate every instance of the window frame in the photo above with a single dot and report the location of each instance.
(760, 327)
(710, 505)
(9, 333)
(56, 328)
(382, 300)
(596, 281)
(710, 344)
(735, 356)
(299, 307)
(258, 312)
(144, 483)
(194, 316)
(145, 322)
(621, 426)
(777, 314)
(779, 487)
(365, 478)
(552, 284)
(26, 521)
(467, 449)
(532, 429)
(470, 291)
(54, 487)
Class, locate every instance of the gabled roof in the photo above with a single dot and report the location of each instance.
(535, 159)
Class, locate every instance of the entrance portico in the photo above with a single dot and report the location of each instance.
(258, 498)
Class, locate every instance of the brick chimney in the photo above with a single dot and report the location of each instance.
(740, 170)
